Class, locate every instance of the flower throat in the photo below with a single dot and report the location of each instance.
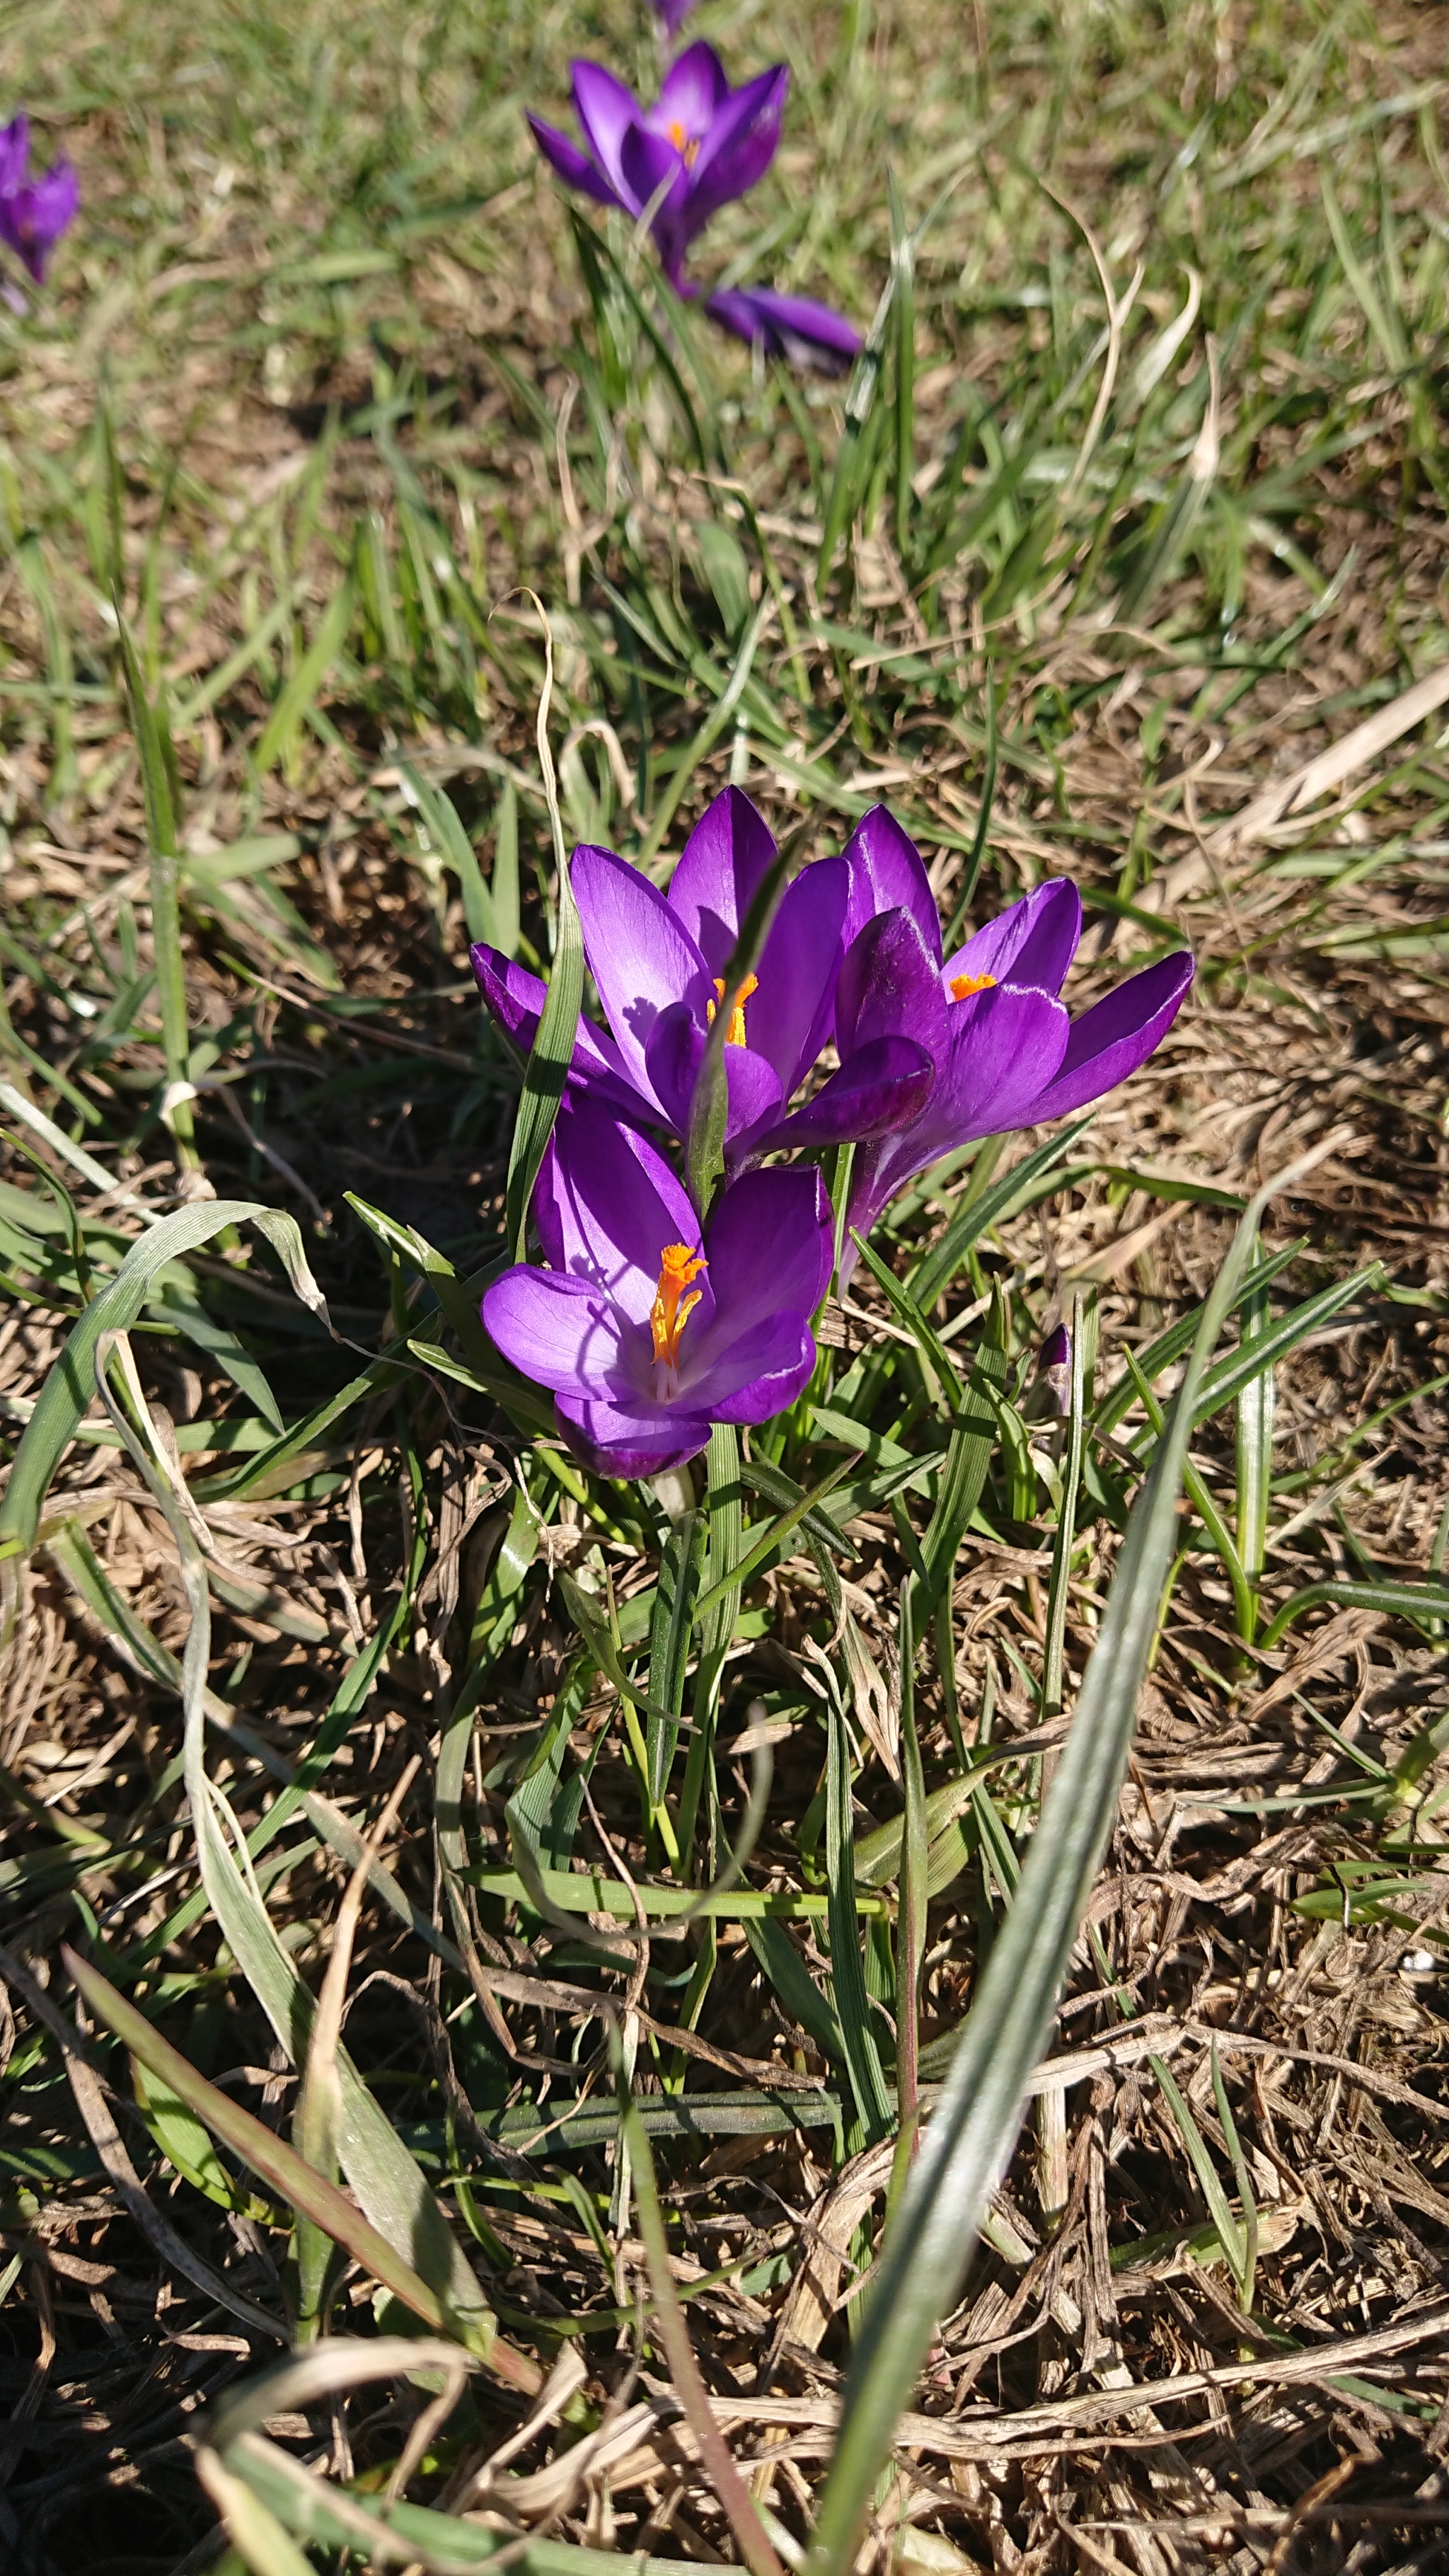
(735, 1033)
(672, 1308)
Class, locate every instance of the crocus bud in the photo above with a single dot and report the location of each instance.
(1053, 1384)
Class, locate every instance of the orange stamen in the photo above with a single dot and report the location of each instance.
(686, 145)
(735, 1033)
(671, 1309)
(963, 986)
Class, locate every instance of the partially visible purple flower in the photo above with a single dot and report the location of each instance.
(1052, 1386)
(33, 212)
(788, 326)
(646, 1331)
(672, 14)
(660, 964)
(702, 145)
(1005, 1052)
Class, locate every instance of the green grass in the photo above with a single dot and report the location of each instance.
(1136, 503)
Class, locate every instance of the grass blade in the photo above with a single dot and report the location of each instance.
(1059, 1586)
(280, 731)
(1230, 2234)
(66, 1392)
(944, 1259)
(1256, 1407)
(276, 2164)
(156, 784)
(911, 1922)
(941, 2208)
(739, 2505)
(852, 2004)
(545, 1073)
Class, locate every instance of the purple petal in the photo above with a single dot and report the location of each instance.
(760, 1373)
(788, 326)
(562, 1333)
(640, 955)
(693, 92)
(1033, 942)
(673, 1056)
(655, 175)
(673, 14)
(14, 153)
(32, 219)
(741, 143)
(572, 164)
(606, 1206)
(887, 870)
(1004, 1048)
(631, 1440)
(890, 986)
(719, 869)
(515, 999)
(788, 1016)
(1117, 1035)
(606, 110)
(770, 1247)
(882, 1087)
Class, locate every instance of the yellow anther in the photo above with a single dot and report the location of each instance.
(735, 1033)
(963, 986)
(686, 145)
(671, 1309)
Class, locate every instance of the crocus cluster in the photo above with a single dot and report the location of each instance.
(675, 164)
(34, 209)
(653, 1319)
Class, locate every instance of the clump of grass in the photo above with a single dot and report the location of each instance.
(692, 1976)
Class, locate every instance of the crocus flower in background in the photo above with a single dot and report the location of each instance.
(672, 14)
(646, 1331)
(1051, 1386)
(660, 964)
(701, 146)
(1005, 1051)
(34, 212)
(788, 326)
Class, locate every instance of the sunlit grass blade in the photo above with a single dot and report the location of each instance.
(1231, 2235)
(552, 1053)
(726, 1524)
(852, 2003)
(680, 1560)
(1256, 1407)
(157, 786)
(1168, 1346)
(1015, 1189)
(1421, 1602)
(911, 1920)
(67, 1390)
(442, 823)
(30, 563)
(1059, 1586)
(300, 695)
(390, 2185)
(918, 2273)
(270, 2158)
(740, 2509)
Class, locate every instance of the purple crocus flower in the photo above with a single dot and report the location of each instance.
(788, 326)
(660, 964)
(1006, 1053)
(1051, 1387)
(33, 212)
(646, 1330)
(702, 145)
(672, 14)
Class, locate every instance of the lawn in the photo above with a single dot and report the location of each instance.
(873, 1999)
